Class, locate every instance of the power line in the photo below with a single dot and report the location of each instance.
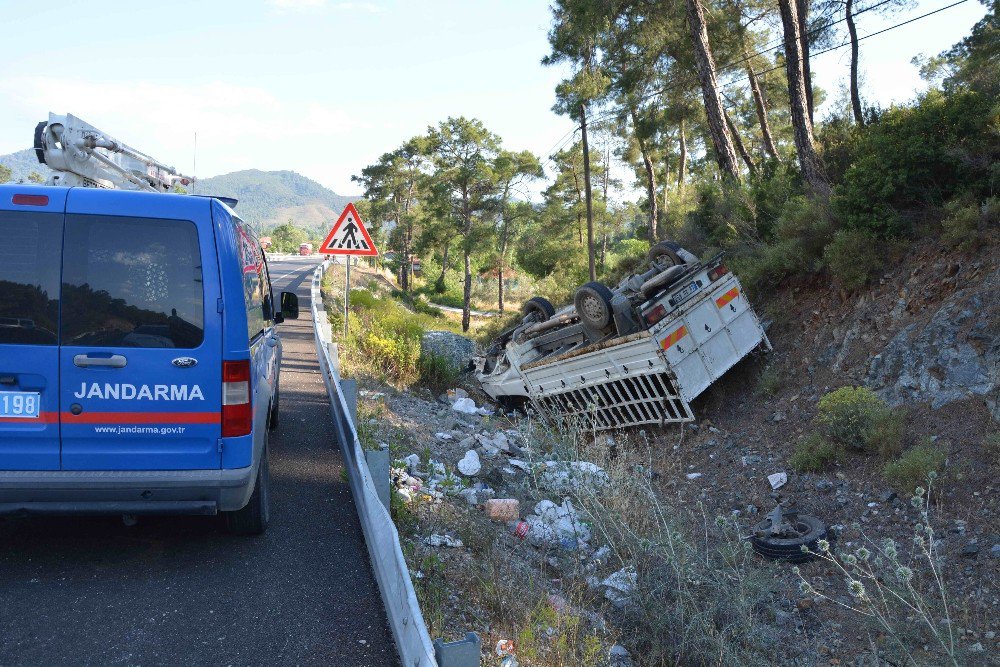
(667, 89)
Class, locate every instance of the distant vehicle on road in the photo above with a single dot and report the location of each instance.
(305, 249)
(138, 353)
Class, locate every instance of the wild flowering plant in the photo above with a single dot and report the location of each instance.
(903, 595)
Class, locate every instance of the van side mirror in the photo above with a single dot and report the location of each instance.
(290, 305)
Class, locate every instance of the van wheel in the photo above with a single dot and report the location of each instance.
(272, 416)
(253, 519)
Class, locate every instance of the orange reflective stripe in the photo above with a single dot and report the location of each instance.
(727, 297)
(674, 337)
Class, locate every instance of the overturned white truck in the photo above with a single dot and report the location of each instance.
(638, 354)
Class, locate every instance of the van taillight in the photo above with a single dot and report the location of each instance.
(30, 200)
(717, 272)
(656, 314)
(237, 412)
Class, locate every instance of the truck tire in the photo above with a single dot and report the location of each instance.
(789, 549)
(666, 251)
(541, 307)
(254, 517)
(593, 305)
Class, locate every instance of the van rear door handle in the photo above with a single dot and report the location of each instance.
(86, 361)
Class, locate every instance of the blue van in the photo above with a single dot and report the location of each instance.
(138, 356)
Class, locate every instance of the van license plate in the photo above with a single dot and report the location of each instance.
(683, 295)
(20, 404)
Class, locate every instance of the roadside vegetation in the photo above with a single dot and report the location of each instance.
(384, 339)
(724, 140)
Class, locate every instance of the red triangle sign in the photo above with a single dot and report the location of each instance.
(349, 236)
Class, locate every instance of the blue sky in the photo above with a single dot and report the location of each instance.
(324, 87)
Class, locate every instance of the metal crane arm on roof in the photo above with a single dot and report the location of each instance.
(83, 155)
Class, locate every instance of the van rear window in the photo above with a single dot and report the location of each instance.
(132, 282)
(30, 244)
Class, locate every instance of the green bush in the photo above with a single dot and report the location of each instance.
(437, 372)
(856, 418)
(362, 299)
(967, 225)
(913, 468)
(814, 453)
(769, 381)
(917, 157)
(853, 258)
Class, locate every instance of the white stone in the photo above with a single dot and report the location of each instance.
(777, 480)
(470, 464)
(436, 540)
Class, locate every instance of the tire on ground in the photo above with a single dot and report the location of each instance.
(789, 548)
(539, 306)
(254, 517)
(593, 305)
(666, 251)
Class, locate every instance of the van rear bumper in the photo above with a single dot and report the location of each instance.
(124, 491)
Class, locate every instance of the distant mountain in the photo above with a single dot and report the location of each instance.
(269, 198)
(266, 198)
(23, 163)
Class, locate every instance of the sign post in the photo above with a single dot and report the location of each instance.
(344, 239)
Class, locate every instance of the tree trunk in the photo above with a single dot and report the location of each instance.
(740, 146)
(855, 95)
(650, 179)
(725, 154)
(444, 267)
(404, 274)
(809, 162)
(758, 102)
(802, 11)
(467, 290)
(587, 193)
(682, 161)
(500, 287)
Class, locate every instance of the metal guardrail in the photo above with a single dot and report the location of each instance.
(402, 609)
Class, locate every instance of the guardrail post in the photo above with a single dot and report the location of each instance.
(334, 351)
(463, 653)
(350, 389)
(378, 468)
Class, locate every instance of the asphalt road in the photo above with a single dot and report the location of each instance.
(180, 591)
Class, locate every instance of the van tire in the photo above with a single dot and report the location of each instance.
(254, 517)
(272, 416)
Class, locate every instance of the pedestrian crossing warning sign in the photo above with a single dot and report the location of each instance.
(349, 236)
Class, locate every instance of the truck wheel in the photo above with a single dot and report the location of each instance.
(809, 530)
(593, 305)
(272, 416)
(666, 251)
(253, 519)
(541, 307)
